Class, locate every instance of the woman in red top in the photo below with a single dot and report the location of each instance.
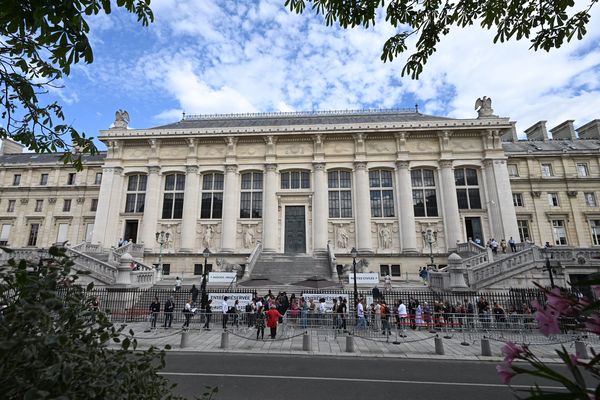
(272, 318)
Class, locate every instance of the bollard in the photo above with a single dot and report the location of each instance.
(349, 344)
(486, 348)
(184, 339)
(306, 343)
(224, 340)
(581, 350)
(439, 346)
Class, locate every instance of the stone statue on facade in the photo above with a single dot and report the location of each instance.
(342, 237)
(385, 237)
(121, 119)
(249, 237)
(208, 237)
(483, 106)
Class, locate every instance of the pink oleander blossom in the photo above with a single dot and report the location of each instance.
(563, 305)
(511, 351)
(547, 319)
(596, 289)
(505, 371)
(593, 323)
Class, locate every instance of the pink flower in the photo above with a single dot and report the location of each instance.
(547, 321)
(564, 305)
(511, 351)
(505, 371)
(596, 289)
(593, 323)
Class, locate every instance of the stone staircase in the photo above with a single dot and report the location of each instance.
(289, 269)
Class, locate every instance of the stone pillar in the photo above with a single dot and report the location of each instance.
(450, 204)
(363, 208)
(124, 270)
(407, 211)
(492, 202)
(505, 202)
(457, 273)
(320, 208)
(231, 210)
(270, 210)
(190, 209)
(151, 208)
(109, 207)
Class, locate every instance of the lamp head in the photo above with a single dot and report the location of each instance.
(206, 253)
(353, 252)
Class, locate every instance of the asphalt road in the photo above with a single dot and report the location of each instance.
(251, 376)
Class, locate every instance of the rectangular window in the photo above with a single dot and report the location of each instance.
(33, 234)
(43, 179)
(16, 179)
(547, 170)
(71, 179)
(89, 230)
(467, 188)
(198, 269)
(63, 233)
(94, 205)
(340, 198)
(4, 234)
(98, 178)
(560, 232)
(582, 170)
(553, 200)
(11, 206)
(518, 199)
(38, 205)
(523, 226)
(392, 270)
(295, 180)
(251, 195)
(595, 227)
(67, 205)
(513, 170)
(590, 199)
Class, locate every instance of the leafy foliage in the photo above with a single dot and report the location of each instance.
(54, 344)
(39, 42)
(547, 24)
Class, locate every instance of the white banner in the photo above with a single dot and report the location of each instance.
(221, 277)
(328, 299)
(367, 279)
(217, 299)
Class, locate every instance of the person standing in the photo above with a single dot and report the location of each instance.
(177, 284)
(360, 313)
(208, 314)
(387, 283)
(260, 324)
(154, 311)
(169, 308)
(272, 319)
(402, 314)
(503, 246)
(225, 311)
(95, 308)
(512, 244)
(342, 312)
(187, 313)
(385, 319)
(194, 293)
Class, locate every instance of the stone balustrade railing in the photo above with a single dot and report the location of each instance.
(252, 259)
(470, 247)
(135, 249)
(484, 274)
(101, 270)
(143, 278)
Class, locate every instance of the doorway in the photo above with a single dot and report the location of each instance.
(474, 231)
(295, 229)
(131, 230)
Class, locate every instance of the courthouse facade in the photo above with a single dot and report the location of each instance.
(399, 186)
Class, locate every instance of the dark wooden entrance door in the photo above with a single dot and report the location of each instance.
(295, 230)
(474, 231)
(131, 230)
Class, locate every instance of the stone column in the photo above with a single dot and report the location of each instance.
(151, 208)
(270, 210)
(407, 211)
(109, 207)
(450, 204)
(492, 202)
(320, 208)
(363, 208)
(190, 209)
(231, 210)
(505, 203)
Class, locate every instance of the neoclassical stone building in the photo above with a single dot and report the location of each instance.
(399, 186)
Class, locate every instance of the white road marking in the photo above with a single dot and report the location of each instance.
(337, 379)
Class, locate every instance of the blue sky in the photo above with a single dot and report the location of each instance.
(222, 56)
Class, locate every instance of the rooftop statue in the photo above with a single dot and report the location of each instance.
(121, 119)
(483, 106)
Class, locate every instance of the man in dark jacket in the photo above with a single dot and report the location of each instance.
(154, 311)
(169, 308)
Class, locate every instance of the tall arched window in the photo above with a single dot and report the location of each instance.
(136, 193)
(382, 193)
(251, 195)
(340, 194)
(212, 196)
(424, 196)
(467, 188)
(173, 197)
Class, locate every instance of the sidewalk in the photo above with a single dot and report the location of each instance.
(417, 344)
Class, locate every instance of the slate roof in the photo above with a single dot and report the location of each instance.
(298, 118)
(539, 146)
(45, 158)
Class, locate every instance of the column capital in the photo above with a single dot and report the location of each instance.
(446, 163)
(231, 168)
(319, 166)
(271, 167)
(402, 164)
(488, 163)
(360, 165)
(191, 169)
(154, 169)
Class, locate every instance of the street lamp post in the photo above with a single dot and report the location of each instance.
(206, 254)
(162, 238)
(354, 253)
(548, 266)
